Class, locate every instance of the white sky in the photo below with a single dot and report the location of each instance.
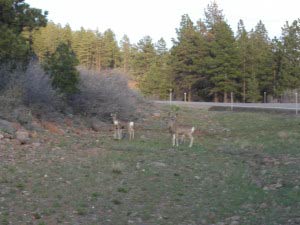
(160, 18)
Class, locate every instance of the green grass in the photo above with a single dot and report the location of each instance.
(243, 167)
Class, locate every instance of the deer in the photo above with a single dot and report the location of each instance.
(179, 131)
(119, 127)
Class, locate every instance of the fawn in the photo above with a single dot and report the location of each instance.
(119, 126)
(180, 130)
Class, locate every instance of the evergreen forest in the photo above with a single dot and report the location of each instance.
(208, 60)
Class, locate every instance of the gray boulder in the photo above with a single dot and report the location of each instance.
(22, 136)
(22, 115)
(7, 127)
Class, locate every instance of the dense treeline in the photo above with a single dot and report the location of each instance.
(17, 23)
(40, 77)
(208, 61)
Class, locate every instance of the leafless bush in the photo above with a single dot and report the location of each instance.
(104, 93)
(99, 96)
(30, 88)
(10, 92)
(37, 90)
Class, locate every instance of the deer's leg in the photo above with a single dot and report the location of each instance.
(130, 134)
(116, 133)
(174, 139)
(192, 141)
(177, 137)
(119, 134)
(182, 137)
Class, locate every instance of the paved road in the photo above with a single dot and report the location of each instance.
(275, 106)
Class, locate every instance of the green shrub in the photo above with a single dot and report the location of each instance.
(61, 66)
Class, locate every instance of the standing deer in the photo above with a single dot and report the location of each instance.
(180, 130)
(119, 126)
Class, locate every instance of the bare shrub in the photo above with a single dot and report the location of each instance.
(10, 92)
(31, 89)
(100, 94)
(38, 92)
(103, 93)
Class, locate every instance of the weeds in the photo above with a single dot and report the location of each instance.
(117, 168)
(230, 176)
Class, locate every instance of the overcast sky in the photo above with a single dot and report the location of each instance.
(160, 18)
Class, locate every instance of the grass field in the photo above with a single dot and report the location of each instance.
(244, 168)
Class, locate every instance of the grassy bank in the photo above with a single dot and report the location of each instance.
(243, 169)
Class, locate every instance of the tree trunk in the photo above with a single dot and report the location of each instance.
(244, 91)
(225, 97)
(215, 97)
(274, 82)
(190, 94)
(244, 82)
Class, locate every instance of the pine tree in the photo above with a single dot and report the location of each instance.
(222, 61)
(213, 15)
(277, 50)
(61, 66)
(262, 60)
(83, 43)
(223, 65)
(248, 91)
(125, 53)
(161, 47)
(187, 57)
(290, 49)
(111, 56)
(143, 56)
(157, 81)
(47, 39)
(17, 21)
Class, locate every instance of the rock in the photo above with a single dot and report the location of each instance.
(266, 188)
(1, 136)
(22, 115)
(138, 165)
(235, 218)
(33, 134)
(219, 223)
(144, 138)
(96, 125)
(263, 205)
(283, 134)
(51, 127)
(69, 122)
(22, 137)
(158, 164)
(36, 144)
(156, 115)
(7, 127)
(36, 126)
